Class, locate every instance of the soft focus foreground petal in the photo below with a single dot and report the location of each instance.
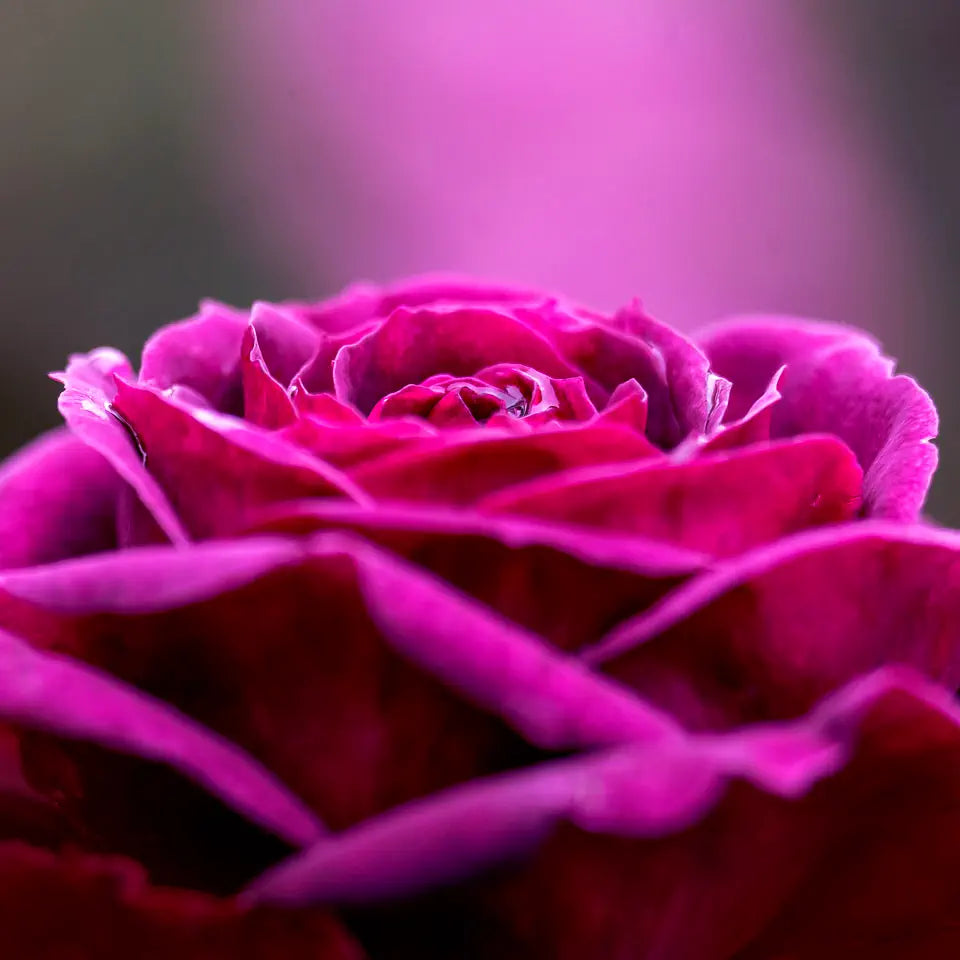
(94, 908)
(720, 504)
(765, 635)
(217, 469)
(568, 585)
(359, 680)
(463, 469)
(836, 836)
(25, 814)
(58, 499)
(412, 345)
(39, 691)
(86, 404)
(837, 381)
(203, 353)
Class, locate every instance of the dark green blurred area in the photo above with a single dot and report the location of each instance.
(108, 228)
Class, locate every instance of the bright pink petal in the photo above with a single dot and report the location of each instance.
(58, 499)
(202, 353)
(837, 381)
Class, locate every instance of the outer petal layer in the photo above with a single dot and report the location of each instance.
(58, 499)
(765, 635)
(837, 381)
(763, 843)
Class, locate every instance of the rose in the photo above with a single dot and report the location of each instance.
(452, 620)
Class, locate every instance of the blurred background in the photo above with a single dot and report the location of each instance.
(709, 156)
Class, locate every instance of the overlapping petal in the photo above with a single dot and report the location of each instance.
(301, 654)
(765, 635)
(761, 843)
(58, 499)
(836, 380)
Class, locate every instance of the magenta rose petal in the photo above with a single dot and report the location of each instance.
(766, 634)
(628, 404)
(347, 445)
(323, 406)
(87, 405)
(202, 353)
(684, 396)
(53, 694)
(309, 663)
(58, 499)
(276, 347)
(412, 345)
(515, 566)
(463, 469)
(837, 381)
(217, 469)
(98, 908)
(779, 489)
(265, 402)
(750, 844)
(753, 427)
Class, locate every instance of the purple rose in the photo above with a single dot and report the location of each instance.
(451, 620)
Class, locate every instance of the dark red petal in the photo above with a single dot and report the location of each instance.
(304, 657)
(113, 759)
(58, 499)
(720, 504)
(80, 907)
(470, 466)
(411, 345)
(836, 837)
(767, 634)
(216, 469)
(569, 586)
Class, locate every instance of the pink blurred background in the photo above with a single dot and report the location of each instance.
(707, 156)
(710, 156)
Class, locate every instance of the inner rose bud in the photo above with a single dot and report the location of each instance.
(498, 395)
